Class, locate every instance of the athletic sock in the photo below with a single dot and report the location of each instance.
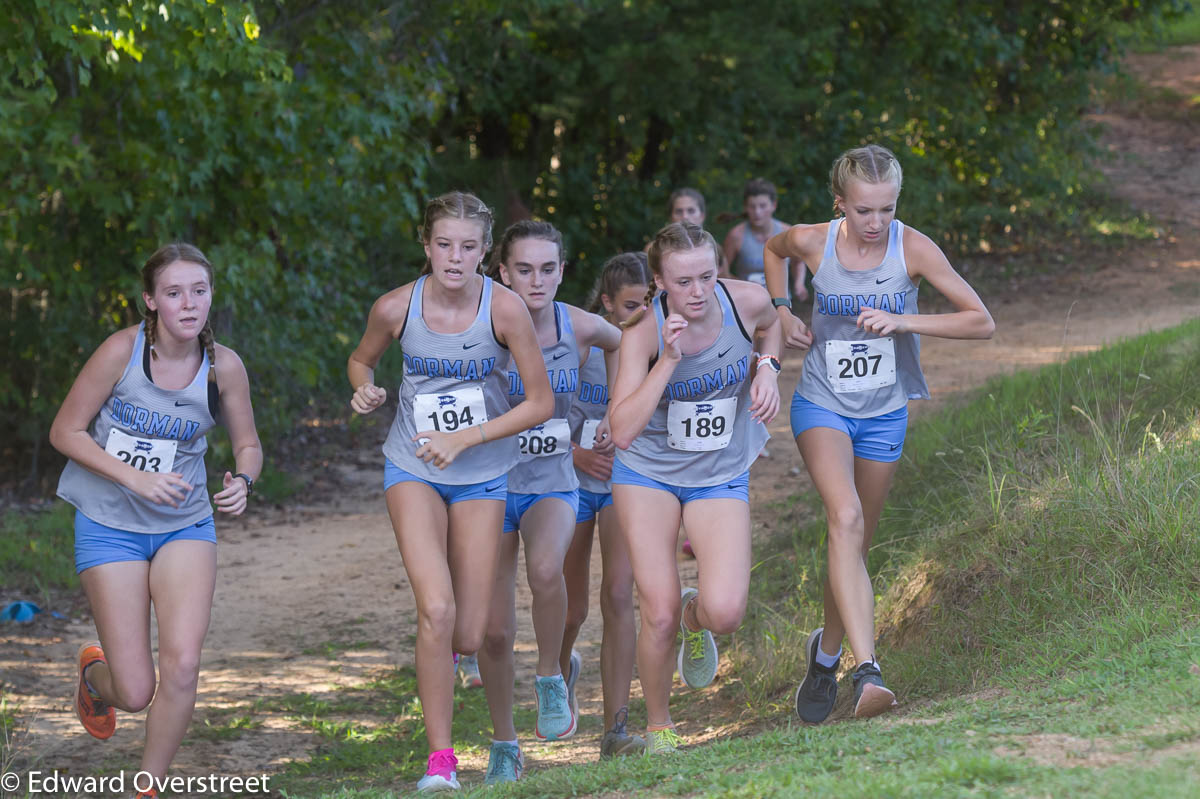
(513, 742)
(826, 661)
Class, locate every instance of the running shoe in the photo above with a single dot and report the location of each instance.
(574, 666)
(555, 719)
(687, 548)
(871, 698)
(697, 660)
(441, 774)
(150, 794)
(816, 694)
(662, 742)
(468, 671)
(505, 763)
(97, 718)
(617, 742)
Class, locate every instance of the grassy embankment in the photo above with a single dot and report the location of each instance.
(1038, 566)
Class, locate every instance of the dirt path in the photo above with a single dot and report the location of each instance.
(291, 582)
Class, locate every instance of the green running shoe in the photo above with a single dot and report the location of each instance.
(662, 742)
(697, 652)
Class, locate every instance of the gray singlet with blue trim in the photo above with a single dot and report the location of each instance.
(436, 365)
(139, 424)
(718, 372)
(838, 295)
(546, 464)
(590, 404)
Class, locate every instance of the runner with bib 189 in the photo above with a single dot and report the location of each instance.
(689, 414)
(850, 410)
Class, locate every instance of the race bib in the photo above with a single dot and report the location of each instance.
(450, 410)
(587, 436)
(860, 365)
(700, 426)
(552, 437)
(143, 454)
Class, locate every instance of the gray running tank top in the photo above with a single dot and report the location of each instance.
(451, 381)
(748, 263)
(156, 430)
(839, 293)
(590, 405)
(718, 372)
(545, 463)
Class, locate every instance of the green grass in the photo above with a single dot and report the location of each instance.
(374, 736)
(1183, 29)
(1099, 725)
(1040, 543)
(37, 550)
(1056, 512)
(224, 726)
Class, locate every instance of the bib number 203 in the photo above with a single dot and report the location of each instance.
(143, 454)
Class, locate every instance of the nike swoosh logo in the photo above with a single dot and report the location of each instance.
(469, 346)
(895, 447)
(491, 489)
(556, 357)
(886, 279)
(723, 354)
(179, 404)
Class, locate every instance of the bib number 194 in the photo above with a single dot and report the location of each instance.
(449, 411)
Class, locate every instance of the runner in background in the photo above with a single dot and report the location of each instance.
(543, 497)
(850, 410)
(743, 248)
(619, 293)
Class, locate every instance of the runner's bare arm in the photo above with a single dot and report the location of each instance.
(796, 243)
(970, 318)
(730, 247)
(384, 323)
(238, 416)
(753, 304)
(638, 386)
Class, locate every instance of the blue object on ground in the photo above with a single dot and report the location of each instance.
(19, 611)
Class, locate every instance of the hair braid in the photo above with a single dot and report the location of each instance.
(208, 341)
(151, 318)
(651, 290)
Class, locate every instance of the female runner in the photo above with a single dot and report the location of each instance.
(850, 410)
(134, 426)
(619, 292)
(452, 442)
(543, 496)
(688, 417)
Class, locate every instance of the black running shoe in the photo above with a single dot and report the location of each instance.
(871, 698)
(815, 696)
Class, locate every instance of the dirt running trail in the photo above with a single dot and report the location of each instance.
(293, 580)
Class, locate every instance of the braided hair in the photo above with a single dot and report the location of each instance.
(674, 237)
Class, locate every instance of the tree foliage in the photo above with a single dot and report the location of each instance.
(295, 143)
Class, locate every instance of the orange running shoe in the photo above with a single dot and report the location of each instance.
(96, 717)
(150, 794)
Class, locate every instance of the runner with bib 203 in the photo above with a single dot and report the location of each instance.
(850, 410)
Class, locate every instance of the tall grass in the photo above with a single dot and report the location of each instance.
(1053, 517)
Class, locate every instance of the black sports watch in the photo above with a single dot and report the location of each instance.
(781, 302)
(249, 482)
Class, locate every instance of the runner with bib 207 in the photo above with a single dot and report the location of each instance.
(850, 410)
